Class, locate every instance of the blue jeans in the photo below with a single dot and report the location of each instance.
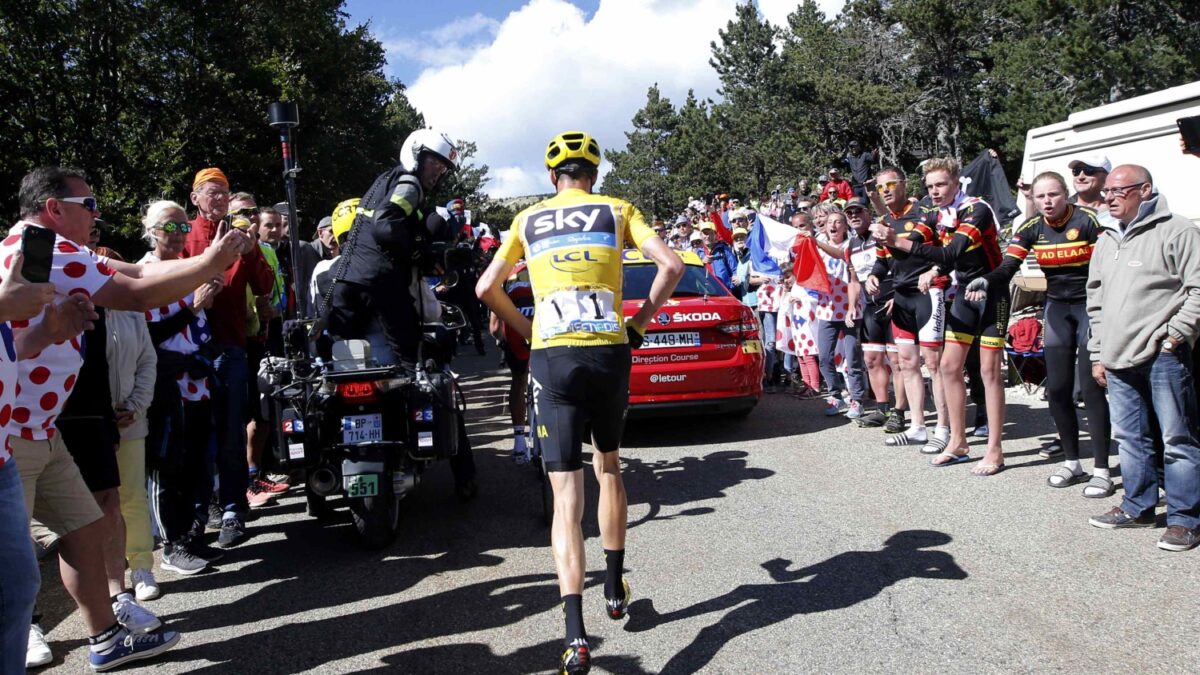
(827, 338)
(1165, 385)
(231, 413)
(19, 577)
(768, 340)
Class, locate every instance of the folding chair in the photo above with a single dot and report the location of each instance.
(1026, 353)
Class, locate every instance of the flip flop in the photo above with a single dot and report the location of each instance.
(991, 470)
(954, 459)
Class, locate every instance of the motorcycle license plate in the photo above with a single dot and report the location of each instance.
(661, 340)
(362, 428)
(365, 485)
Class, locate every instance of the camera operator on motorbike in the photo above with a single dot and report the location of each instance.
(389, 247)
(580, 356)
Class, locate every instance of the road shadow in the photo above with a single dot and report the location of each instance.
(662, 484)
(486, 605)
(475, 657)
(837, 583)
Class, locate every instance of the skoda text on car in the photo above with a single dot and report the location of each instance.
(702, 351)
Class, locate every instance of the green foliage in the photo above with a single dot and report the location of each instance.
(911, 78)
(143, 93)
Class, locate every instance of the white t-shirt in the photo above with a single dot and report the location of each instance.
(46, 379)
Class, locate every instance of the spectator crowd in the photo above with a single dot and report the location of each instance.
(884, 299)
(129, 391)
(129, 395)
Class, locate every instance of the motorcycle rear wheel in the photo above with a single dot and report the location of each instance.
(376, 519)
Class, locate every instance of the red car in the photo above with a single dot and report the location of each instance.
(702, 351)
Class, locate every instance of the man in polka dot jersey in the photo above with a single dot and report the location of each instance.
(59, 199)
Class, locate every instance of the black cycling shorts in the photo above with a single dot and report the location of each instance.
(986, 320)
(918, 318)
(875, 329)
(574, 386)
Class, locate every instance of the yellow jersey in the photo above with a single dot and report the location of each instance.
(572, 243)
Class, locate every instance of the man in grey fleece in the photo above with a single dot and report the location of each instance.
(1143, 299)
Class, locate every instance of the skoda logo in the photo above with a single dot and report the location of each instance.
(664, 319)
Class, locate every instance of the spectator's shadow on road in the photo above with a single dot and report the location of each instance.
(487, 605)
(837, 583)
(664, 483)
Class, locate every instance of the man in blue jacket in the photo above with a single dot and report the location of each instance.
(720, 256)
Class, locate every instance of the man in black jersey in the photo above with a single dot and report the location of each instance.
(918, 313)
(969, 248)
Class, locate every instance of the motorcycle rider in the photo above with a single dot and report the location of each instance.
(580, 356)
(389, 247)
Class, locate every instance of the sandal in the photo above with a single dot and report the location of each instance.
(934, 445)
(1065, 478)
(1099, 487)
(985, 470)
(896, 440)
(954, 459)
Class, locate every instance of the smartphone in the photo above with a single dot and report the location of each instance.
(37, 248)
(1189, 128)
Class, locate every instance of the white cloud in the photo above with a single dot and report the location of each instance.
(549, 69)
(446, 45)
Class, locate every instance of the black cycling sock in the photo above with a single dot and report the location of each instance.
(105, 638)
(573, 612)
(615, 560)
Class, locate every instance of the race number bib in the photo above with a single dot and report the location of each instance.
(588, 311)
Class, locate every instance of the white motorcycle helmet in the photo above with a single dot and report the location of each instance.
(427, 140)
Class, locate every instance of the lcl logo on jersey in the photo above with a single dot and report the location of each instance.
(573, 261)
(583, 225)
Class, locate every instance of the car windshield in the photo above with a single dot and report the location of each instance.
(695, 282)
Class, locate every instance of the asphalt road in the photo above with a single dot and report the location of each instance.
(784, 542)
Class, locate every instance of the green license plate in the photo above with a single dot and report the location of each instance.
(365, 485)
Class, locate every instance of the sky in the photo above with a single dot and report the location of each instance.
(510, 74)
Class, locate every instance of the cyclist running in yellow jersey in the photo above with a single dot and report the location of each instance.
(580, 356)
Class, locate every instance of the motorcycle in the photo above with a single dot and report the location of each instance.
(365, 429)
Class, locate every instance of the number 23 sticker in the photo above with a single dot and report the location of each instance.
(577, 312)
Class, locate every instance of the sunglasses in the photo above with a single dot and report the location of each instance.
(890, 185)
(246, 211)
(171, 227)
(88, 203)
(740, 220)
(1086, 170)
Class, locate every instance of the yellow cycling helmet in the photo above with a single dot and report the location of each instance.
(572, 145)
(343, 217)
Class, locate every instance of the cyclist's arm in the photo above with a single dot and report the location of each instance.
(1018, 249)
(670, 270)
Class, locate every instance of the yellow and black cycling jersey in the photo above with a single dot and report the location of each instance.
(572, 244)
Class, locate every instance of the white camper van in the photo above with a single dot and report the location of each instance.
(1140, 130)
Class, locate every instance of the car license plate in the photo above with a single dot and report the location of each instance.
(362, 428)
(365, 485)
(661, 340)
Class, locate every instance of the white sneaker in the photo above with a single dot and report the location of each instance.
(144, 584)
(135, 618)
(38, 652)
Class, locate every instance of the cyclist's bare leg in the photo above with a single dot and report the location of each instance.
(613, 509)
(566, 534)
